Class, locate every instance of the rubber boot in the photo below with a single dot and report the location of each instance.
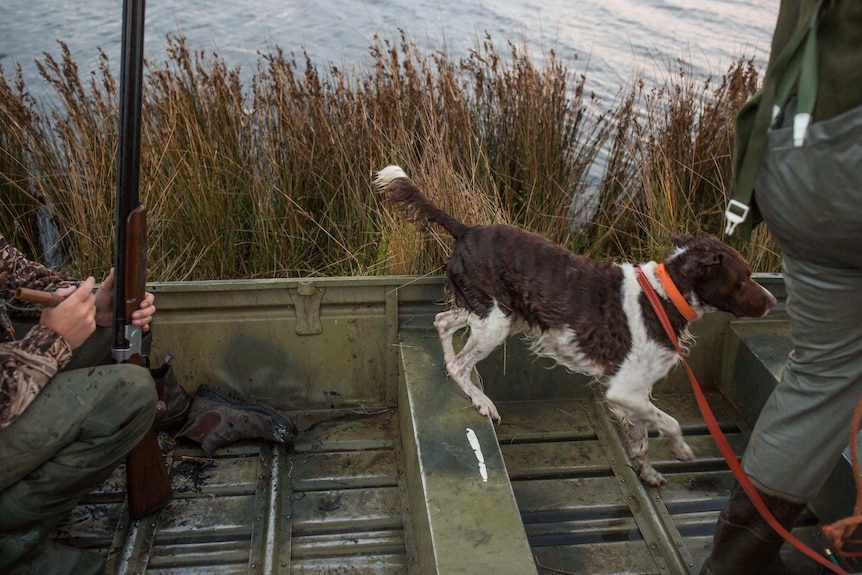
(217, 419)
(178, 403)
(745, 543)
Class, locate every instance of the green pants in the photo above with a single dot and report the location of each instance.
(805, 424)
(71, 438)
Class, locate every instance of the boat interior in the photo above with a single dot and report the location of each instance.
(384, 476)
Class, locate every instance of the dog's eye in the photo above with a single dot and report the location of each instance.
(743, 283)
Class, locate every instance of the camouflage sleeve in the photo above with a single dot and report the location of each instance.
(18, 271)
(26, 365)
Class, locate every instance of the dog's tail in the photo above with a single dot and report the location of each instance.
(403, 193)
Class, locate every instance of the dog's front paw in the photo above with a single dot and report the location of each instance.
(681, 450)
(652, 477)
(486, 407)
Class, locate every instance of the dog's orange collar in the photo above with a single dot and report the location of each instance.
(672, 292)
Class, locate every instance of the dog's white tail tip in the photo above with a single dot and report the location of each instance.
(389, 173)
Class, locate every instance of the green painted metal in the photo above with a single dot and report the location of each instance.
(250, 337)
(754, 357)
(467, 523)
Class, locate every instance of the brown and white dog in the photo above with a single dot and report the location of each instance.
(591, 317)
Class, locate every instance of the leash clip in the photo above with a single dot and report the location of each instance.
(735, 214)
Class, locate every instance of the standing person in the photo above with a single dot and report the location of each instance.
(68, 415)
(806, 176)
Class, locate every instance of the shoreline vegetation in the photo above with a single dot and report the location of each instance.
(275, 178)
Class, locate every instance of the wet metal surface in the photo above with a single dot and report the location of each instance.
(583, 507)
(333, 505)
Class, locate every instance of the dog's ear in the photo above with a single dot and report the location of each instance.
(698, 265)
(681, 240)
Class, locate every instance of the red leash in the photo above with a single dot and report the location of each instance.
(718, 436)
(840, 531)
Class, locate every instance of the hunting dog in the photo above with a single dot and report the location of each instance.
(589, 316)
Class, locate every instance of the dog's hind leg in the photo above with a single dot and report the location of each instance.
(638, 440)
(447, 323)
(637, 435)
(486, 335)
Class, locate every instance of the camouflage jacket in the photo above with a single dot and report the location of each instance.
(30, 361)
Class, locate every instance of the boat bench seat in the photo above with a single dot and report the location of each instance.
(465, 522)
(755, 352)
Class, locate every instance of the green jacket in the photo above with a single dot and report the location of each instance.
(839, 78)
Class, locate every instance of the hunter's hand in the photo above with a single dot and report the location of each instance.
(74, 318)
(105, 306)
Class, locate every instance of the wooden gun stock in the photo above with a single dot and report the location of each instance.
(147, 482)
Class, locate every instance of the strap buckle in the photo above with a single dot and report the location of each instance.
(735, 214)
(800, 128)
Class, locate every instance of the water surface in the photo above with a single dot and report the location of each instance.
(609, 40)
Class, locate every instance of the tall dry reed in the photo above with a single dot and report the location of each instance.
(670, 165)
(19, 204)
(274, 178)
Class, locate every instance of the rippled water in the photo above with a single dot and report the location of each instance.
(609, 40)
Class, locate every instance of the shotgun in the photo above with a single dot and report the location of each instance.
(147, 482)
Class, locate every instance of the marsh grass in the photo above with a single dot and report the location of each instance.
(18, 207)
(275, 178)
(670, 166)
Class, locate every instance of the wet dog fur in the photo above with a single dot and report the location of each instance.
(591, 317)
